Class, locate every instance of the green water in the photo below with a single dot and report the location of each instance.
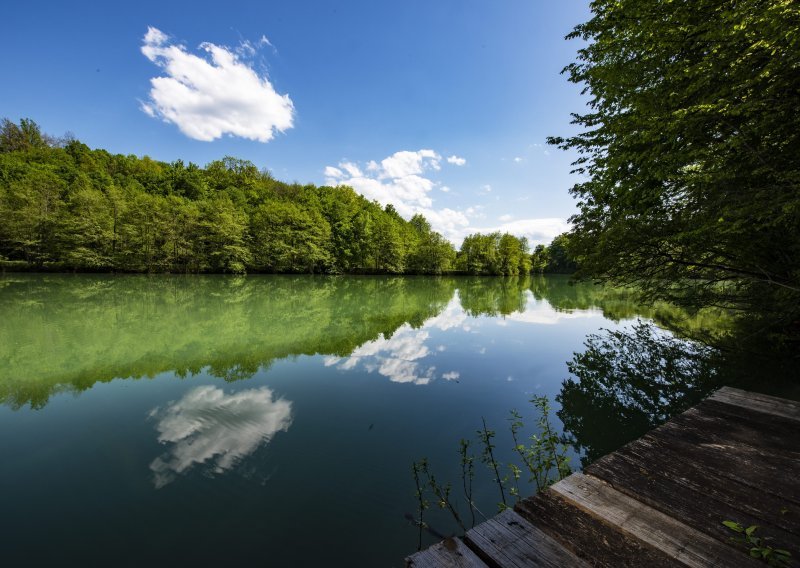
(267, 420)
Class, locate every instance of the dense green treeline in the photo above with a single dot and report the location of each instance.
(554, 258)
(66, 206)
(495, 253)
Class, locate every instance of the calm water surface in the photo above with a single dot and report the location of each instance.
(262, 420)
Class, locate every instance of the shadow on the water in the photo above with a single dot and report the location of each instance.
(629, 381)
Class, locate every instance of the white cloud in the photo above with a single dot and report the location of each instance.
(451, 376)
(517, 159)
(399, 180)
(456, 160)
(351, 169)
(405, 163)
(216, 94)
(505, 218)
(207, 425)
(332, 172)
(537, 231)
(475, 212)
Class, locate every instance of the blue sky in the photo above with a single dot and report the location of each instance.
(440, 107)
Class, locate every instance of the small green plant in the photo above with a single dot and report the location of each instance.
(485, 436)
(757, 545)
(442, 493)
(422, 504)
(545, 460)
(467, 475)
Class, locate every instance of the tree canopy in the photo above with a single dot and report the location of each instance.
(494, 253)
(690, 150)
(64, 206)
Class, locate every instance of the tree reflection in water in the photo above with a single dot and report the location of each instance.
(629, 381)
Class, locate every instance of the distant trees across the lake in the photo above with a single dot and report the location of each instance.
(64, 206)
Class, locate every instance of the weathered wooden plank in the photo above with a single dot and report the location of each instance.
(676, 539)
(767, 432)
(660, 500)
(659, 462)
(589, 537)
(700, 509)
(736, 450)
(694, 508)
(760, 402)
(450, 553)
(509, 541)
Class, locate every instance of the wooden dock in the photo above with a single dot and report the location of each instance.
(660, 500)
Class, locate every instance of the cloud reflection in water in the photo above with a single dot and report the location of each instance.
(400, 357)
(209, 426)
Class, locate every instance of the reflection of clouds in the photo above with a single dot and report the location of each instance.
(402, 357)
(397, 357)
(207, 425)
(452, 316)
(540, 312)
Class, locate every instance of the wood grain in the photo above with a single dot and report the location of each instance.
(663, 532)
(450, 553)
(659, 501)
(509, 541)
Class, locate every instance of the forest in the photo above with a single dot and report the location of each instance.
(688, 151)
(65, 207)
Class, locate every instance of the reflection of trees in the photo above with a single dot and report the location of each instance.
(492, 296)
(67, 333)
(629, 381)
(625, 303)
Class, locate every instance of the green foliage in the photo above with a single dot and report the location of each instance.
(440, 491)
(485, 436)
(63, 205)
(758, 547)
(545, 459)
(467, 475)
(690, 152)
(495, 253)
(555, 258)
(417, 469)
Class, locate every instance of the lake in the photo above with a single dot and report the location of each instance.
(268, 420)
